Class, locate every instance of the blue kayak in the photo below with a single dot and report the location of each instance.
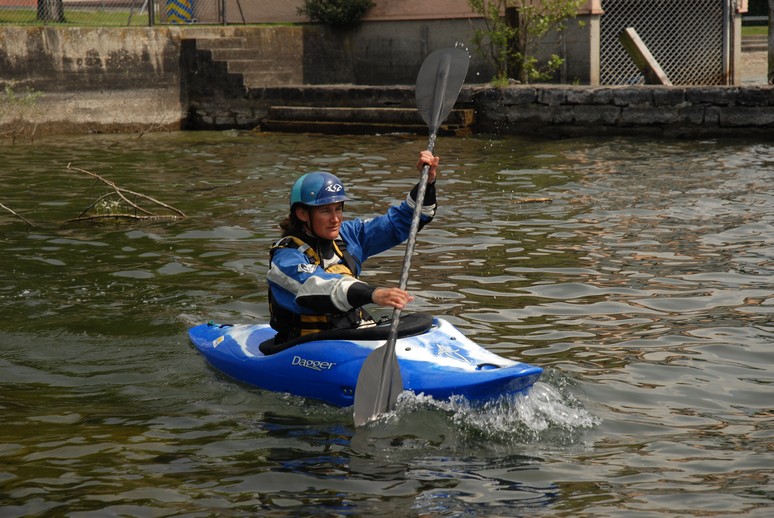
(435, 359)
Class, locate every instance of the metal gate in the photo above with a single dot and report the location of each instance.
(690, 40)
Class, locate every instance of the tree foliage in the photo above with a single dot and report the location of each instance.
(513, 30)
(15, 110)
(51, 11)
(336, 13)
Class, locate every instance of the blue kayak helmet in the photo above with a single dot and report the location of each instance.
(317, 188)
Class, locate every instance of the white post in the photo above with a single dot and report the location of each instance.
(771, 43)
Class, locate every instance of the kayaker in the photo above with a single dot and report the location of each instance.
(313, 277)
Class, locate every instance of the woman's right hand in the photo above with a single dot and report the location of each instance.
(427, 158)
(391, 297)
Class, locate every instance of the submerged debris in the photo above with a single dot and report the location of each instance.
(17, 215)
(533, 200)
(117, 204)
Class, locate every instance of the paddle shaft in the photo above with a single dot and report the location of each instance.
(441, 83)
(438, 85)
(389, 359)
(412, 239)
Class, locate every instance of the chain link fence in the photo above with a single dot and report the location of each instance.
(143, 13)
(688, 38)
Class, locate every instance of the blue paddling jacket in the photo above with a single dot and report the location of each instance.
(313, 282)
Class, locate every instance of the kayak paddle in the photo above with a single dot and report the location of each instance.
(439, 83)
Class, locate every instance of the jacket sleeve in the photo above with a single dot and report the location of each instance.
(366, 238)
(305, 288)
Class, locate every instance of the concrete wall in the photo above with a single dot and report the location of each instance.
(95, 79)
(140, 79)
(116, 79)
(385, 53)
(207, 11)
(240, 11)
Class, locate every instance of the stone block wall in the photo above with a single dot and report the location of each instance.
(545, 110)
(662, 111)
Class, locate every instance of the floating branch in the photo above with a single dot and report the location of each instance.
(17, 215)
(117, 205)
(533, 200)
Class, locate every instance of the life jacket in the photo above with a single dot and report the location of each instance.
(291, 325)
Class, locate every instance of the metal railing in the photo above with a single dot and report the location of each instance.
(95, 13)
(690, 39)
(118, 13)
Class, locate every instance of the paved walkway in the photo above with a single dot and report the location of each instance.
(754, 67)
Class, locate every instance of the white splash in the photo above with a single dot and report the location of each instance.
(543, 414)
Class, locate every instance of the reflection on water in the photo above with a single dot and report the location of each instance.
(644, 287)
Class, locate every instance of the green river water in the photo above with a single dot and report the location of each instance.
(644, 288)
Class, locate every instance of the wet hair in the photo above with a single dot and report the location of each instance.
(291, 225)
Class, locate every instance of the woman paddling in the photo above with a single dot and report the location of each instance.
(313, 278)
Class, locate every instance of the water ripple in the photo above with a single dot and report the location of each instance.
(644, 288)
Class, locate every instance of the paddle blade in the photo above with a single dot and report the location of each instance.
(378, 384)
(439, 83)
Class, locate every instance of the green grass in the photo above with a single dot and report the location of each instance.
(97, 18)
(755, 30)
(76, 18)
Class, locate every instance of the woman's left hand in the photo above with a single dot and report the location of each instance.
(391, 297)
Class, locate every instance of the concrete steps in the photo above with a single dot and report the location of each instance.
(267, 77)
(234, 53)
(271, 91)
(249, 66)
(244, 56)
(755, 43)
(360, 120)
(222, 42)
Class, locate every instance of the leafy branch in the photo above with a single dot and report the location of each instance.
(117, 204)
(513, 30)
(16, 110)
